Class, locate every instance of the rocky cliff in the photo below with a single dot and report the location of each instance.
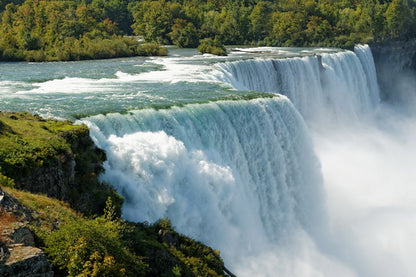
(53, 158)
(396, 70)
(18, 254)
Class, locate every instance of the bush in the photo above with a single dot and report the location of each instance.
(93, 247)
(151, 49)
(6, 181)
(211, 46)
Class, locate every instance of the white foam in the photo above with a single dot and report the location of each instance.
(339, 88)
(203, 166)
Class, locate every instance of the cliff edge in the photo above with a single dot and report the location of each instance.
(58, 219)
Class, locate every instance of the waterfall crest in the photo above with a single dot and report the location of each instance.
(337, 85)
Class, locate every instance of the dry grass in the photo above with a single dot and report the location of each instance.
(50, 213)
(7, 222)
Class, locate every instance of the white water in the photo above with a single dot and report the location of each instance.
(242, 176)
(237, 175)
(343, 87)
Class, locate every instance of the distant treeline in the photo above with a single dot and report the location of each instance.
(81, 29)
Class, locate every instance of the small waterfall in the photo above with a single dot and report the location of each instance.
(297, 78)
(364, 54)
(337, 85)
(237, 175)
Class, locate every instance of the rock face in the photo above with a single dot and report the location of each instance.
(26, 261)
(396, 70)
(18, 256)
(62, 175)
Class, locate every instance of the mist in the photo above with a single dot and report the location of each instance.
(368, 167)
(370, 184)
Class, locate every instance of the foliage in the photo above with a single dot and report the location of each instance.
(50, 213)
(65, 30)
(184, 34)
(6, 181)
(151, 49)
(93, 247)
(30, 145)
(109, 246)
(212, 46)
(282, 23)
(199, 259)
(171, 254)
(39, 30)
(29, 141)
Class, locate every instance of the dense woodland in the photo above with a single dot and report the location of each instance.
(86, 29)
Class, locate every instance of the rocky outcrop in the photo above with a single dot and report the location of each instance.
(60, 175)
(26, 261)
(54, 158)
(395, 63)
(18, 254)
(53, 180)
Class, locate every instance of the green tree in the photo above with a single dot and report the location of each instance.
(288, 29)
(317, 31)
(184, 34)
(212, 46)
(115, 10)
(398, 18)
(260, 17)
(153, 19)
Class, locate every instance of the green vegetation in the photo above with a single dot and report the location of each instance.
(275, 23)
(108, 246)
(64, 30)
(6, 181)
(94, 247)
(39, 30)
(100, 244)
(53, 157)
(211, 46)
(32, 142)
(151, 49)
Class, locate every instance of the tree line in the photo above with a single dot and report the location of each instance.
(82, 29)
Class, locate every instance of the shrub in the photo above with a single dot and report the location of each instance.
(94, 247)
(151, 49)
(6, 181)
(211, 46)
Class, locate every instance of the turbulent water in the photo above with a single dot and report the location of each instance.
(283, 159)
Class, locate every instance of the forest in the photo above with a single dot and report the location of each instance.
(39, 30)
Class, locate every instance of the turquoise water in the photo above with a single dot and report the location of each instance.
(76, 89)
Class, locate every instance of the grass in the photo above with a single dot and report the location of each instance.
(28, 141)
(49, 213)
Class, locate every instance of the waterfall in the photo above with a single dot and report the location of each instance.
(340, 85)
(238, 175)
(242, 176)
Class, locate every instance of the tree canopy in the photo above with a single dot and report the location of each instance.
(83, 29)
